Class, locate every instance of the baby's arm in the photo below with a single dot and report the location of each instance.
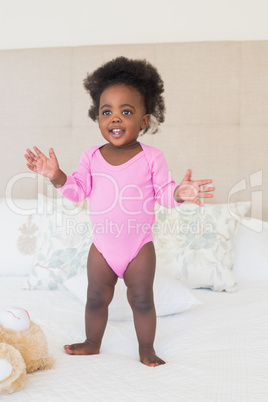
(48, 167)
(76, 187)
(192, 190)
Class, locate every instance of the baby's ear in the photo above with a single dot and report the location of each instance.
(145, 121)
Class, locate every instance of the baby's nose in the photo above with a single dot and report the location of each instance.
(116, 119)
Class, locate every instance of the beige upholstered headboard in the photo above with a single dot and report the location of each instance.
(216, 123)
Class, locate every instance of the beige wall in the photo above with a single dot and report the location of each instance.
(216, 123)
(56, 23)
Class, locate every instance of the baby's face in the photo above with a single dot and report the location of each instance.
(122, 115)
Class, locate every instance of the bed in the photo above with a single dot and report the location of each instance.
(215, 344)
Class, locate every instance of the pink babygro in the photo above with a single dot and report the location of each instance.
(121, 200)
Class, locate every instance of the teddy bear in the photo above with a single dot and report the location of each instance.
(23, 349)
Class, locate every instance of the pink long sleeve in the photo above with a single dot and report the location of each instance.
(78, 185)
(163, 184)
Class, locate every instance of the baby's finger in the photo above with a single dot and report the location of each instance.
(38, 152)
(207, 189)
(31, 159)
(204, 182)
(198, 202)
(31, 154)
(52, 153)
(188, 175)
(31, 167)
(205, 195)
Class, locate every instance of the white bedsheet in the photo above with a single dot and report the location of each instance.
(216, 352)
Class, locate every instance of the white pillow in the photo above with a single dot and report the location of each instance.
(251, 252)
(197, 244)
(170, 296)
(18, 235)
(63, 243)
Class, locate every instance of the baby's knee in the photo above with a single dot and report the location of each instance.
(97, 301)
(141, 303)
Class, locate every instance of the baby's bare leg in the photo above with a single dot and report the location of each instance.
(139, 278)
(101, 282)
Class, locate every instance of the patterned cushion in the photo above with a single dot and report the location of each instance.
(63, 242)
(197, 244)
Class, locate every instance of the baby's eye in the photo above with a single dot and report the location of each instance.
(106, 112)
(126, 112)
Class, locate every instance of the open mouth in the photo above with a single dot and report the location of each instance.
(116, 132)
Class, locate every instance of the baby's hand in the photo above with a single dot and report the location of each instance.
(190, 190)
(39, 163)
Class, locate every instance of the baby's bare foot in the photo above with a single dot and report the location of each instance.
(149, 358)
(85, 348)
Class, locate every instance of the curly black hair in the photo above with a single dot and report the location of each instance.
(139, 74)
